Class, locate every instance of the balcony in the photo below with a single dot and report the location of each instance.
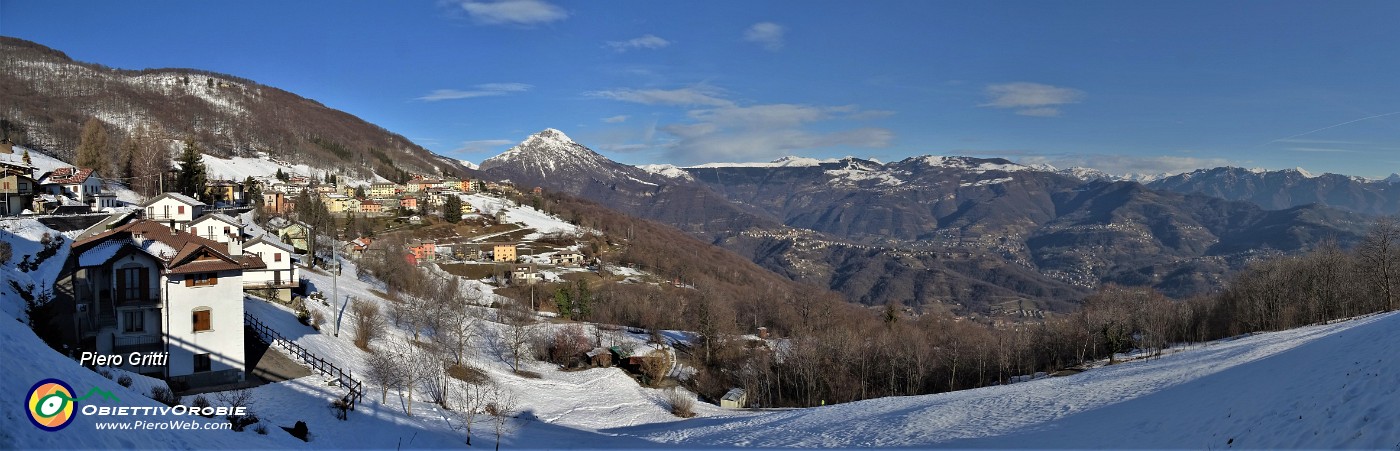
(126, 344)
(135, 297)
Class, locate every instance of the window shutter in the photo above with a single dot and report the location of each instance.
(214, 278)
(121, 283)
(189, 280)
(201, 320)
(145, 282)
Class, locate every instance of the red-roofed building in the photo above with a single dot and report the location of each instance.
(82, 185)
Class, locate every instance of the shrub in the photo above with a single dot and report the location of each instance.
(682, 404)
(165, 396)
(241, 422)
(200, 403)
(124, 381)
(340, 408)
(105, 373)
(261, 429)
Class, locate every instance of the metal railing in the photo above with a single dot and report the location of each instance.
(271, 337)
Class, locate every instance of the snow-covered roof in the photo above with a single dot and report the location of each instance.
(217, 217)
(269, 240)
(187, 200)
(734, 394)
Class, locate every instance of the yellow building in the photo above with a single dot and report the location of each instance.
(504, 253)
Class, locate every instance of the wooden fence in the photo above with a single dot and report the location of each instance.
(271, 337)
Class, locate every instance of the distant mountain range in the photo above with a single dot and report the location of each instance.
(45, 97)
(976, 235)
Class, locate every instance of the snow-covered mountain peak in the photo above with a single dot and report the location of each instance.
(549, 151)
(1304, 172)
(1394, 178)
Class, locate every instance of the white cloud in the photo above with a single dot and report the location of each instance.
(699, 95)
(483, 145)
(720, 129)
(645, 42)
(482, 90)
(513, 12)
(1322, 150)
(1130, 164)
(616, 119)
(767, 34)
(1031, 99)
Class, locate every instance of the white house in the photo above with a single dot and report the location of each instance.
(173, 207)
(218, 227)
(147, 288)
(84, 185)
(281, 274)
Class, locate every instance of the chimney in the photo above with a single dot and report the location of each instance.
(235, 246)
(173, 231)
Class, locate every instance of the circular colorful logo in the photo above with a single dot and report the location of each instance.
(50, 404)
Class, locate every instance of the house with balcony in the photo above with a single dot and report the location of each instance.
(281, 274)
(82, 185)
(217, 227)
(173, 208)
(146, 287)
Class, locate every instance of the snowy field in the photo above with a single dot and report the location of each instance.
(528, 216)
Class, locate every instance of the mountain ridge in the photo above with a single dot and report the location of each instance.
(50, 96)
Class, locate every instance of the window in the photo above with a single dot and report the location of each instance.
(167, 211)
(226, 231)
(133, 321)
(201, 362)
(202, 320)
(180, 209)
(133, 284)
(202, 279)
(276, 256)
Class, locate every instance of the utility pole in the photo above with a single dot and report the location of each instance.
(335, 290)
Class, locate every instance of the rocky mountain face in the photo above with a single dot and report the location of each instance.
(1288, 188)
(968, 234)
(45, 97)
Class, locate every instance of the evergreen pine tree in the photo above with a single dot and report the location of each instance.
(92, 147)
(191, 179)
(452, 209)
(27, 160)
(253, 190)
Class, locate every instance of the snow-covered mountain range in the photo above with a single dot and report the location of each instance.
(935, 229)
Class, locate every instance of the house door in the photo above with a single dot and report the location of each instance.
(277, 277)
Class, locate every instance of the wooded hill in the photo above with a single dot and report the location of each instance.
(46, 97)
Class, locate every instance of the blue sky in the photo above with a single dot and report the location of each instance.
(1122, 86)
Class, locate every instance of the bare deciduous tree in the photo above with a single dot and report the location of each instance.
(1379, 253)
(382, 370)
(502, 408)
(368, 322)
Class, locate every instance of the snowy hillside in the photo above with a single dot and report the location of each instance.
(525, 215)
(1316, 387)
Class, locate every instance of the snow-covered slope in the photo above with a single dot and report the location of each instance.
(784, 162)
(1326, 386)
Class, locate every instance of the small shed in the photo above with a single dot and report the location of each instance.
(600, 357)
(736, 398)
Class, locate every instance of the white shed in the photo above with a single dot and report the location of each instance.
(736, 398)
